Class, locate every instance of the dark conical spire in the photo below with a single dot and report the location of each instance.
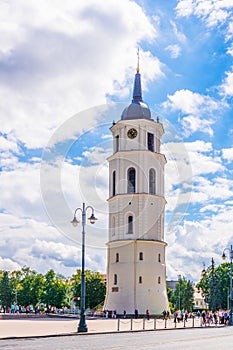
(137, 90)
(137, 109)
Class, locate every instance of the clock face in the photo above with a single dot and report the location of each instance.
(132, 133)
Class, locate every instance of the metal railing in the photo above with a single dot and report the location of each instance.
(132, 324)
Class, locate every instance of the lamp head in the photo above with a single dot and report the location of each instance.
(75, 222)
(92, 218)
(223, 256)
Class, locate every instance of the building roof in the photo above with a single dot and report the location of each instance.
(137, 109)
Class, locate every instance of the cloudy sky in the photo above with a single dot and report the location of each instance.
(66, 71)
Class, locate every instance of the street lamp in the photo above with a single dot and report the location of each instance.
(82, 327)
(231, 257)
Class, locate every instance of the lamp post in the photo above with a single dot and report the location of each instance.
(231, 257)
(179, 277)
(82, 327)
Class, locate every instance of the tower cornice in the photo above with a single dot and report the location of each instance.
(133, 195)
(121, 242)
(118, 154)
(135, 122)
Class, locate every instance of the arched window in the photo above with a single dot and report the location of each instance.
(131, 177)
(117, 143)
(130, 224)
(117, 257)
(141, 256)
(114, 183)
(159, 280)
(150, 142)
(152, 177)
(115, 279)
(140, 279)
(113, 226)
(159, 257)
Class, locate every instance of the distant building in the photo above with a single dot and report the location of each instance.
(199, 300)
(172, 284)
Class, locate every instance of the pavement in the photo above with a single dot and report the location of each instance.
(18, 327)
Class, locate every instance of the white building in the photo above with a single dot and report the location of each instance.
(199, 300)
(136, 270)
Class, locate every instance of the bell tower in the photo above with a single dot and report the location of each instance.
(136, 269)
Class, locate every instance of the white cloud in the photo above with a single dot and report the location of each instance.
(193, 124)
(230, 31)
(174, 50)
(179, 35)
(185, 7)
(211, 12)
(226, 88)
(7, 144)
(230, 50)
(195, 242)
(40, 246)
(9, 265)
(186, 178)
(190, 102)
(227, 153)
(59, 60)
(199, 146)
(195, 109)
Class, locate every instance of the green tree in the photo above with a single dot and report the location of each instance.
(95, 288)
(15, 282)
(215, 286)
(5, 290)
(55, 288)
(183, 296)
(29, 286)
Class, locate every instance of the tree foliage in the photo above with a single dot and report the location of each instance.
(215, 283)
(182, 297)
(5, 290)
(95, 288)
(54, 292)
(26, 286)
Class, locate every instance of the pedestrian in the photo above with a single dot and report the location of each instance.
(136, 313)
(147, 314)
(182, 315)
(175, 315)
(226, 318)
(203, 315)
(12, 308)
(164, 314)
(215, 318)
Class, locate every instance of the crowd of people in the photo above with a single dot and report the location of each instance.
(207, 317)
(29, 309)
(217, 317)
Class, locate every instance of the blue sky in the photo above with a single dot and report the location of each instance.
(61, 70)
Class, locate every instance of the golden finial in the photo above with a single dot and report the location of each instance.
(138, 61)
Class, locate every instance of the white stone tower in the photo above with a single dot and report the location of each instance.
(136, 269)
